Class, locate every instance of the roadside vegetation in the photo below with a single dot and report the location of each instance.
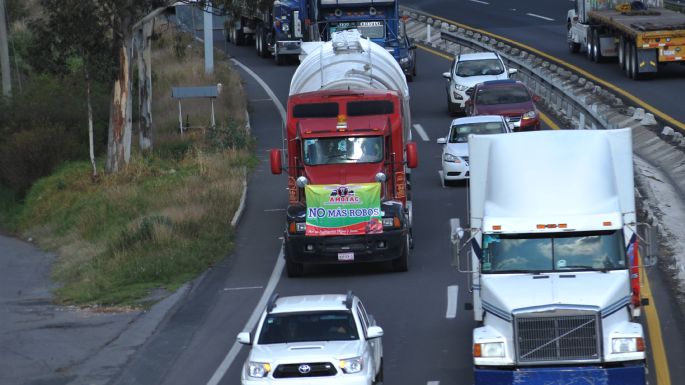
(165, 216)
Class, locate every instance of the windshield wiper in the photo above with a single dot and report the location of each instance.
(583, 267)
(524, 271)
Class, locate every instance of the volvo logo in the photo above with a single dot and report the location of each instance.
(304, 369)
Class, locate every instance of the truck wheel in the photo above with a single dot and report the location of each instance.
(596, 48)
(293, 269)
(621, 53)
(280, 59)
(258, 41)
(401, 264)
(588, 44)
(410, 78)
(451, 107)
(573, 47)
(413, 70)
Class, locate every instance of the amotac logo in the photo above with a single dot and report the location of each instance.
(343, 194)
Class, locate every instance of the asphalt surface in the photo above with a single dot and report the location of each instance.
(513, 20)
(420, 344)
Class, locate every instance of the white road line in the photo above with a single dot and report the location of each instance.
(422, 133)
(480, 2)
(243, 288)
(278, 267)
(540, 17)
(435, 382)
(452, 295)
(256, 313)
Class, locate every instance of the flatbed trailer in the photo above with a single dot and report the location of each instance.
(643, 40)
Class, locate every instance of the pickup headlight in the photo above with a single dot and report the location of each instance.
(451, 158)
(258, 369)
(351, 365)
(530, 115)
(404, 60)
(489, 349)
(627, 345)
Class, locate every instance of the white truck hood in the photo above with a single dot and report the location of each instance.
(470, 81)
(293, 353)
(504, 293)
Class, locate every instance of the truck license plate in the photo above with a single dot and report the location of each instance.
(667, 52)
(345, 256)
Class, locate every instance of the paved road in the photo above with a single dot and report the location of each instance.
(526, 21)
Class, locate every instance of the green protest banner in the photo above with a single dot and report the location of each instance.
(343, 209)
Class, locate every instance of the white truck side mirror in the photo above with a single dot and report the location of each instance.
(374, 332)
(447, 75)
(442, 140)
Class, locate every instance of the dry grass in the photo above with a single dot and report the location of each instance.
(166, 216)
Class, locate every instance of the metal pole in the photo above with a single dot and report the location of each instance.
(180, 117)
(209, 39)
(213, 122)
(4, 54)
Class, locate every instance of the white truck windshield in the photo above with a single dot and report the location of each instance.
(553, 252)
(307, 327)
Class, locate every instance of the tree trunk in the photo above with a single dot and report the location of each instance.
(119, 137)
(142, 46)
(90, 126)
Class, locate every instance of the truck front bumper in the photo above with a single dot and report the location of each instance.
(567, 375)
(386, 246)
(289, 47)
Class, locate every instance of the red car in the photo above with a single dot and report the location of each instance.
(509, 98)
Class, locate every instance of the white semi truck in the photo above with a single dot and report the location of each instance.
(553, 260)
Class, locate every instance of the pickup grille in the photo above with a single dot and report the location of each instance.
(317, 369)
(542, 339)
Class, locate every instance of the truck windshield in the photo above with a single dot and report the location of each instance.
(372, 29)
(307, 327)
(367, 149)
(504, 253)
(479, 67)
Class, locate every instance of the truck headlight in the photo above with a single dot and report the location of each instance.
(404, 60)
(301, 227)
(285, 27)
(451, 158)
(489, 349)
(627, 345)
(351, 365)
(301, 181)
(460, 87)
(258, 369)
(530, 115)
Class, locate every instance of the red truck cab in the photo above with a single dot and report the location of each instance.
(341, 138)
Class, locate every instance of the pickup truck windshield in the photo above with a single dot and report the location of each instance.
(308, 327)
(547, 252)
(318, 151)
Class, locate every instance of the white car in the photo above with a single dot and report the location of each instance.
(455, 149)
(469, 69)
(316, 339)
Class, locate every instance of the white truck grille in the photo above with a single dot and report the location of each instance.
(543, 339)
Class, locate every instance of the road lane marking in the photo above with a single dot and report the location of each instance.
(256, 313)
(422, 133)
(669, 119)
(452, 295)
(540, 17)
(278, 267)
(653, 321)
(433, 383)
(548, 121)
(480, 2)
(663, 376)
(243, 288)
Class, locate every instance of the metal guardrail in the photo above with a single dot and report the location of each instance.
(676, 5)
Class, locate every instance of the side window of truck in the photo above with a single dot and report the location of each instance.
(363, 318)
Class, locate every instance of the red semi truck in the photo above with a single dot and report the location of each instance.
(348, 154)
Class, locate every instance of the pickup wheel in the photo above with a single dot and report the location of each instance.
(401, 264)
(379, 376)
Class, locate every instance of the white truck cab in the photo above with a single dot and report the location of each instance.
(553, 259)
(320, 339)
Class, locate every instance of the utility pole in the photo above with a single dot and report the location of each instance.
(209, 39)
(4, 54)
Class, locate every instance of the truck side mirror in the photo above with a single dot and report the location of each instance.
(412, 155)
(447, 75)
(441, 141)
(513, 71)
(536, 98)
(275, 158)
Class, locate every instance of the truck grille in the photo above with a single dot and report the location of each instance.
(317, 369)
(513, 119)
(557, 338)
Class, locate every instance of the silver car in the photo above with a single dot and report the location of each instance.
(455, 149)
(318, 339)
(469, 69)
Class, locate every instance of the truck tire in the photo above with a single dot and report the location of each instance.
(452, 108)
(573, 47)
(293, 269)
(628, 59)
(622, 53)
(596, 47)
(239, 36)
(401, 264)
(588, 44)
(280, 59)
(258, 41)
